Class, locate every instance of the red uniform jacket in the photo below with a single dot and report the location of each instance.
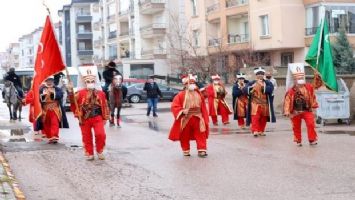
(177, 107)
(289, 99)
(81, 98)
(213, 102)
(29, 100)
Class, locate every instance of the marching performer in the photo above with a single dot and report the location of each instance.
(53, 114)
(117, 94)
(300, 102)
(191, 118)
(216, 93)
(29, 100)
(260, 103)
(240, 100)
(90, 106)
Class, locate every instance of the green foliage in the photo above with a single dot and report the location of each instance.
(343, 59)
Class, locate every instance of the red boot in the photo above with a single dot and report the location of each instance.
(118, 122)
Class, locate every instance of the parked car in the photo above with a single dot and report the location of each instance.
(135, 92)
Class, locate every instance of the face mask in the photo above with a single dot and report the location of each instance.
(90, 86)
(192, 87)
(118, 84)
(268, 77)
(301, 81)
(215, 82)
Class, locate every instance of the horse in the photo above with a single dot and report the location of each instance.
(13, 101)
(117, 93)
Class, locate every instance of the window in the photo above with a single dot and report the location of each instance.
(195, 40)
(141, 70)
(194, 7)
(81, 45)
(264, 19)
(81, 29)
(112, 51)
(286, 58)
(336, 15)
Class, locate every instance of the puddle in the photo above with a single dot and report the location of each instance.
(160, 110)
(16, 135)
(74, 147)
(153, 125)
(352, 133)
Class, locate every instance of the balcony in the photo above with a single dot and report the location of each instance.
(156, 29)
(332, 29)
(238, 38)
(149, 7)
(112, 35)
(233, 3)
(112, 57)
(213, 8)
(215, 42)
(124, 33)
(84, 36)
(157, 53)
(111, 18)
(85, 52)
(126, 54)
(83, 17)
(123, 15)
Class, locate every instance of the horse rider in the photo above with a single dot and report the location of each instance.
(109, 73)
(15, 79)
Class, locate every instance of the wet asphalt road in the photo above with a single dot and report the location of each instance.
(143, 164)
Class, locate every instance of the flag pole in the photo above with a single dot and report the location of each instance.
(66, 68)
(320, 38)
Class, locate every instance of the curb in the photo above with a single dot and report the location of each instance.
(12, 181)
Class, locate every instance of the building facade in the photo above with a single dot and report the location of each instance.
(28, 48)
(13, 53)
(77, 31)
(263, 32)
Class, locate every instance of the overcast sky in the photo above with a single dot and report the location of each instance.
(19, 17)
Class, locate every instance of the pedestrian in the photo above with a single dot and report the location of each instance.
(260, 103)
(117, 94)
(240, 100)
(62, 84)
(270, 78)
(300, 102)
(90, 106)
(191, 117)
(153, 93)
(15, 79)
(216, 93)
(108, 75)
(53, 115)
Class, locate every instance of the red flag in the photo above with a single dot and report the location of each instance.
(48, 62)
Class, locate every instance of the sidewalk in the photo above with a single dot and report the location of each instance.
(9, 189)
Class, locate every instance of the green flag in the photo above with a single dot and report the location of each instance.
(319, 57)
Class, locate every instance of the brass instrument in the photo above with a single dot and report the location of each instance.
(241, 85)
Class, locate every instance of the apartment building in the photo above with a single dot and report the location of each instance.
(276, 32)
(143, 32)
(4, 64)
(77, 31)
(28, 48)
(13, 52)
